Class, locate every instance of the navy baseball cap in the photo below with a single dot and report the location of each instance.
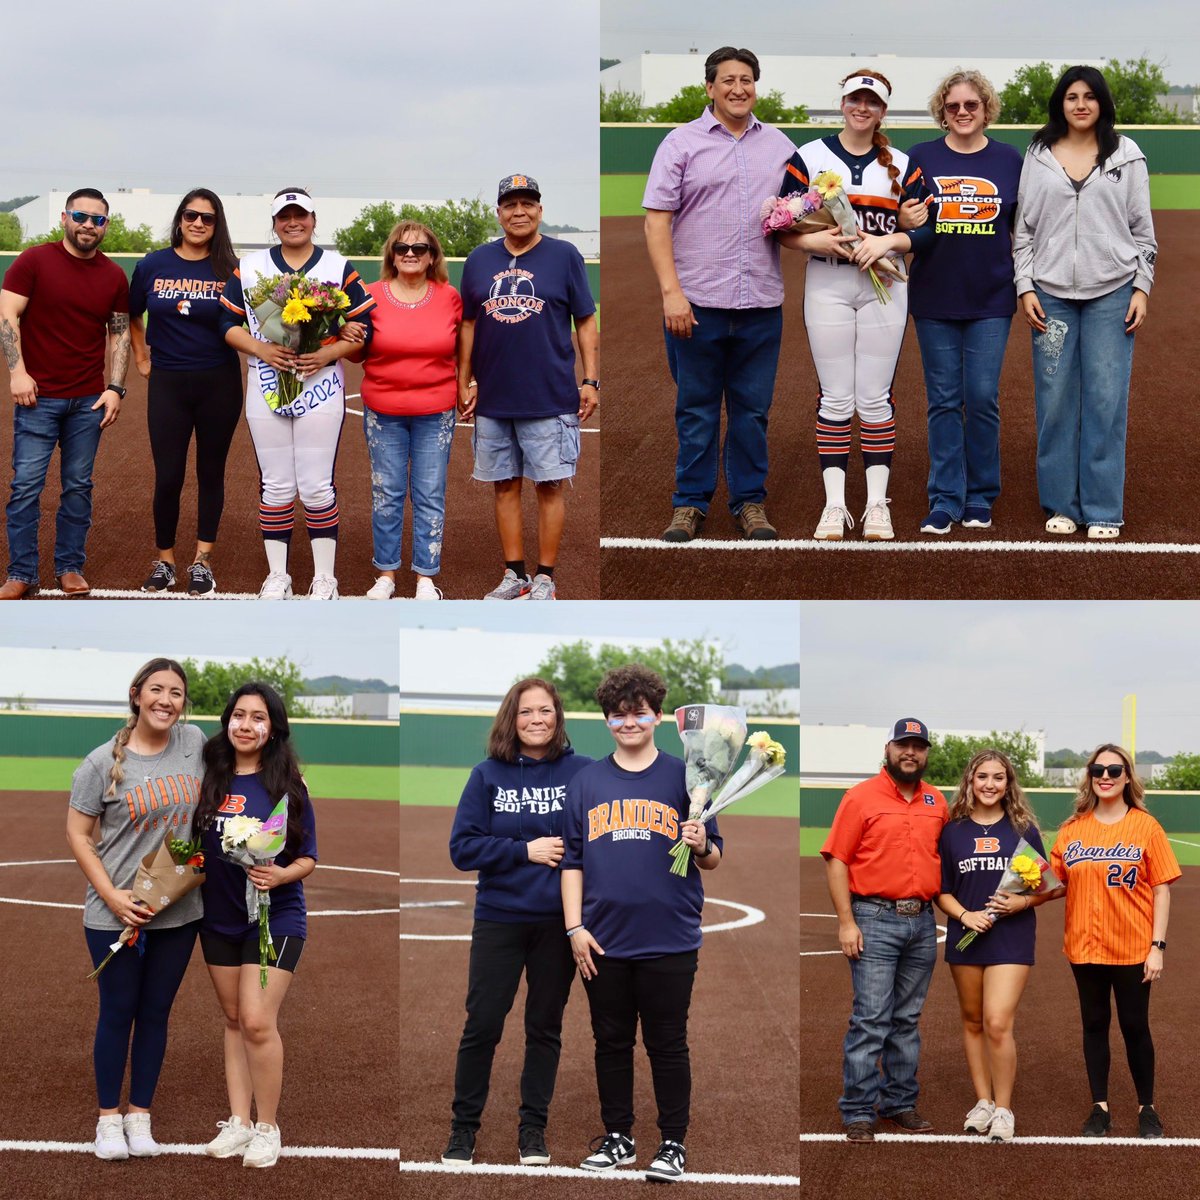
(910, 727)
(518, 183)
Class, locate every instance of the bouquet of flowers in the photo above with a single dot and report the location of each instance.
(166, 875)
(250, 842)
(299, 313)
(1027, 873)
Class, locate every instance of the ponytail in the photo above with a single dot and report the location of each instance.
(884, 158)
(117, 775)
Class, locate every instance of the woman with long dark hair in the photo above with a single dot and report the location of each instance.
(1084, 251)
(249, 766)
(509, 828)
(195, 385)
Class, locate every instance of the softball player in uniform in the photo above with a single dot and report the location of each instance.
(854, 339)
(1118, 867)
(296, 444)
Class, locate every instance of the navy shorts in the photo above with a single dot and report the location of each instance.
(220, 950)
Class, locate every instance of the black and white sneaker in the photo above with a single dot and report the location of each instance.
(667, 1164)
(611, 1150)
(531, 1146)
(200, 580)
(161, 577)
(460, 1150)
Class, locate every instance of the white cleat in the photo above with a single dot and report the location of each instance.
(276, 586)
(877, 522)
(834, 521)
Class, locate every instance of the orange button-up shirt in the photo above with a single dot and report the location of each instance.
(889, 844)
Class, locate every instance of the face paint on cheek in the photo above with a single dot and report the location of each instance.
(260, 732)
(235, 723)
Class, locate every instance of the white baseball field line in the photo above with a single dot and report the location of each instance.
(853, 547)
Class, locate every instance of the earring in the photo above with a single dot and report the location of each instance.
(945, 123)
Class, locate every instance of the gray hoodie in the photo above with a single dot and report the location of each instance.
(1085, 244)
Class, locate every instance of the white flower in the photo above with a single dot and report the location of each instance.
(237, 831)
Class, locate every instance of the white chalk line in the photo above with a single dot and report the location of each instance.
(967, 1139)
(1181, 842)
(833, 917)
(343, 1152)
(625, 1175)
(849, 547)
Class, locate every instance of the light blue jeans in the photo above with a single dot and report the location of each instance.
(1081, 368)
(883, 1043)
(409, 456)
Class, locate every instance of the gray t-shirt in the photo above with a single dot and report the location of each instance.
(158, 794)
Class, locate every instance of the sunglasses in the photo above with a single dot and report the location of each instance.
(967, 106)
(642, 719)
(190, 215)
(416, 249)
(82, 218)
(1113, 771)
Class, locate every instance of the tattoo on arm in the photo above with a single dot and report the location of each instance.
(118, 325)
(10, 341)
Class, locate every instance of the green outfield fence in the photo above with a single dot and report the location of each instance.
(449, 739)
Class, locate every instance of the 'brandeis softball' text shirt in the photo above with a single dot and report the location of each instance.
(619, 828)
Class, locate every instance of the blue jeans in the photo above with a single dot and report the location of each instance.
(1081, 368)
(409, 455)
(75, 429)
(883, 1043)
(731, 355)
(962, 361)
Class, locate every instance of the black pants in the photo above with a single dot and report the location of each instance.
(659, 992)
(499, 953)
(1094, 983)
(208, 403)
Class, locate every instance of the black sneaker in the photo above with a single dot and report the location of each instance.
(200, 580)
(460, 1150)
(1149, 1125)
(161, 577)
(667, 1164)
(611, 1150)
(1097, 1124)
(531, 1142)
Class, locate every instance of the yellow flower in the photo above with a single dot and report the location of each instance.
(761, 740)
(1022, 863)
(296, 311)
(827, 183)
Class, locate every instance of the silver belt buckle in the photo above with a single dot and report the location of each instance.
(908, 908)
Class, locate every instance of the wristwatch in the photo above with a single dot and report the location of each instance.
(591, 383)
(1159, 945)
(116, 387)
(708, 848)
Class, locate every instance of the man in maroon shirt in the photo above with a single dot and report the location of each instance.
(57, 303)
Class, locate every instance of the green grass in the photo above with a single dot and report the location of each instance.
(1174, 191)
(442, 786)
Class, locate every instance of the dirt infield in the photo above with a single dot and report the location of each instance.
(343, 1082)
(121, 542)
(1052, 1096)
(742, 1033)
(640, 448)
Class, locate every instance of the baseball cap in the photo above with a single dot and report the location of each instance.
(299, 199)
(518, 183)
(910, 727)
(858, 83)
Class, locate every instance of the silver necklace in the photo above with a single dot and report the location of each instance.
(988, 828)
(154, 769)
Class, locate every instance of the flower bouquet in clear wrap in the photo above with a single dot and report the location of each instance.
(250, 842)
(1027, 873)
(174, 868)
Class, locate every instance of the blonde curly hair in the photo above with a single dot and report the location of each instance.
(973, 79)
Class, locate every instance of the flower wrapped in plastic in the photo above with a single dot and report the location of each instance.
(250, 842)
(1027, 873)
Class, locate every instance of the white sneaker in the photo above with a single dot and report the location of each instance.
(263, 1151)
(543, 588)
(233, 1139)
(980, 1117)
(832, 523)
(110, 1139)
(877, 522)
(426, 589)
(276, 586)
(324, 587)
(1002, 1126)
(382, 589)
(138, 1137)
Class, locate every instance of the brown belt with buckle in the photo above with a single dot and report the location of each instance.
(903, 908)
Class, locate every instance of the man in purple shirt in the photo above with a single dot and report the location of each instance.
(722, 292)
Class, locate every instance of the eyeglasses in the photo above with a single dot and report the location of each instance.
(1113, 771)
(967, 106)
(416, 249)
(642, 719)
(191, 216)
(82, 218)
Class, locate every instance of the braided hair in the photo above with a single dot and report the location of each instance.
(879, 139)
(116, 775)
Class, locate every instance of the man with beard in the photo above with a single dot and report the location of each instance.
(881, 859)
(58, 302)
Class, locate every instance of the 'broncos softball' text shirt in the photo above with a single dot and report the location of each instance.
(620, 826)
(224, 886)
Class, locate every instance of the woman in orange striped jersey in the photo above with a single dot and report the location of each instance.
(1118, 867)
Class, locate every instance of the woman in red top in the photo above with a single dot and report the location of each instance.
(409, 392)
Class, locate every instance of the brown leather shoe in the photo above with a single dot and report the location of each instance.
(911, 1121)
(860, 1131)
(753, 523)
(73, 584)
(686, 522)
(17, 589)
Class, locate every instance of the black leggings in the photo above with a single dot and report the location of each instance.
(209, 403)
(1095, 982)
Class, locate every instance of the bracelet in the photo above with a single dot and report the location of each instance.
(575, 930)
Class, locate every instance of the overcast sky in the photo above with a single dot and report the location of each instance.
(1162, 30)
(1060, 666)
(347, 99)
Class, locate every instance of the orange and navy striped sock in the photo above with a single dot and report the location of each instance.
(833, 443)
(277, 521)
(322, 522)
(878, 442)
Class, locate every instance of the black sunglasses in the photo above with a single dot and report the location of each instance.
(969, 106)
(416, 249)
(82, 218)
(190, 215)
(1113, 771)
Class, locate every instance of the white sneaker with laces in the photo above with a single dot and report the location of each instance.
(382, 589)
(543, 588)
(980, 1117)
(276, 586)
(138, 1137)
(324, 587)
(1002, 1126)
(110, 1139)
(833, 522)
(668, 1163)
(426, 590)
(233, 1139)
(877, 522)
(263, 1151)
